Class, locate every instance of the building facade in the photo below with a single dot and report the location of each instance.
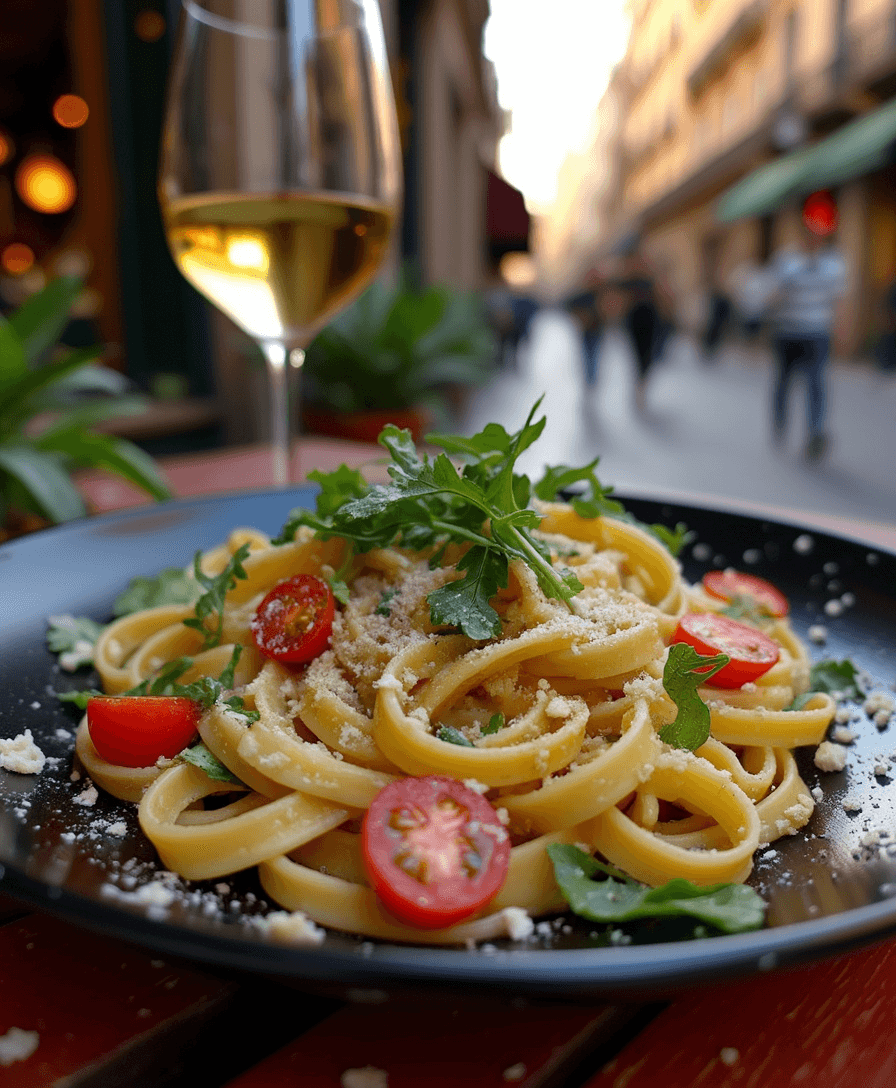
(726, 93)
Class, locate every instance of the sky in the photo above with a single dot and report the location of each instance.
(553, 59)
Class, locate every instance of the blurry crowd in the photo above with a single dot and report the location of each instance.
(788, 307)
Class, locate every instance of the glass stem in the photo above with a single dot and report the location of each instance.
(276, 356)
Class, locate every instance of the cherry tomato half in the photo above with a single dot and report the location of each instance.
(293, 623)
(434, 849)
(752, 653)
(134, 730)
(728, 584)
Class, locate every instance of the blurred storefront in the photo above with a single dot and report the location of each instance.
(734, 111)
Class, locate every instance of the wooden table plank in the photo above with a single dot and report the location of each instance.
(441, 1044)
(103, 1011)
(830, 1025)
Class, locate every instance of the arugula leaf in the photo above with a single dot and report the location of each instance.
(732, 908)
(835, 676)
(595, 501)
(79, 698)
(495, 724)
(171, 586)
(210, 605)
(73, 638)
(430, 504)
(681, 679)
(454, 736)
(207, 761)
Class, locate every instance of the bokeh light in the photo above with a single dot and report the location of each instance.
(46, 184)
(70, 111)
(149, 26)
(17, 258)
(7, 147)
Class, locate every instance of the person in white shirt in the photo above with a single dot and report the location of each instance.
(807, 285)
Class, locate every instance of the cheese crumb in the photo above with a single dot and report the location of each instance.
(17, 1045)
(830, 757)
(514, 1072)
(21, 754)
(729, 1055)
(293, 926)
(366, 1077)
(519, 924)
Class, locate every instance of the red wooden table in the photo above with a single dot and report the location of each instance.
(78, 1009)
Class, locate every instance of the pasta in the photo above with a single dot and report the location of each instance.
(578, 693)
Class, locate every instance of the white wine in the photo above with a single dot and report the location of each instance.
(280, 265)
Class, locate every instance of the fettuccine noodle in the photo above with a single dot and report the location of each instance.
(578, 760)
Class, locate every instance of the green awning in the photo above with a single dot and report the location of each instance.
(863, 145)
(765, 189)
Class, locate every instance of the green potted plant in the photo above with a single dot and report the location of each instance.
(399, 354)
(50, 399)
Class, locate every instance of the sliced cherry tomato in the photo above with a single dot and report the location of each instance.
(135, 730)
(751, 651)
(434, 849)
(293, 623)
(728, 584)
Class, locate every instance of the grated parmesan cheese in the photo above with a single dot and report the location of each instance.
(21, 754)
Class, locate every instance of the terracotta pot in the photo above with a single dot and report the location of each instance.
(365, 426)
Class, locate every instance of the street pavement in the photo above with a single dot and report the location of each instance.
(705, 433)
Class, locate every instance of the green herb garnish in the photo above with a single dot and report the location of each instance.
(731, 908)
(832, 677)
(209, 618)
(430, 504)
(454, 736)
(171, 586)
(495, 724)
(206, 761)
(73, 637)
(685, 670)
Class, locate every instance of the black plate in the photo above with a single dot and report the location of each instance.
(828, 889)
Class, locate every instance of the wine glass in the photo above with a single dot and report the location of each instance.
(280, 170)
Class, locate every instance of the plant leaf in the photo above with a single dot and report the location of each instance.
(19, 392)
(685, 670)
(732, 908)
(200, 756)
(90, 450)
(73, 638)
(171, 586)
(12, 355)
(44, 478)
(40, 321)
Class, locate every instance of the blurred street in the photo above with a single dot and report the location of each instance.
(706, 430)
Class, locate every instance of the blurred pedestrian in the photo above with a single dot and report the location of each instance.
(807, 284)
(643, 319)
(718, 322)
(586, 309)
(510, 314)
(885, 348)
(749, 288)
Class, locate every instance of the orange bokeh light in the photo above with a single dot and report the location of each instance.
(46, 184)
(70, 110)
(17, 258)
(7, 148)
(149, 26)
